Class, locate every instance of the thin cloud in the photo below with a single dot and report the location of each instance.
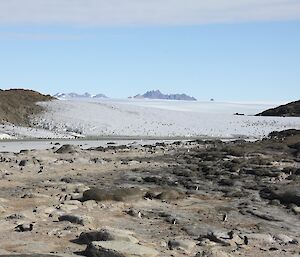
(39, 36)
(145, 12)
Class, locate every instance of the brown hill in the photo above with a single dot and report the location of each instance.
(288, 110)
(16, 105)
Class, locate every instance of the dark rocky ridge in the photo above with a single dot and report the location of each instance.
(156, 94)
(288, 110)
(16, 105)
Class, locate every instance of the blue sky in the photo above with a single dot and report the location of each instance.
(243, 60)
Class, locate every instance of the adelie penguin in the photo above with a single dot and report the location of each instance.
(24, 227)
(225, 217)
(246, 240)
(230, 234)
(139, 214)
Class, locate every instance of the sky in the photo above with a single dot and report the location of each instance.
(239, 50)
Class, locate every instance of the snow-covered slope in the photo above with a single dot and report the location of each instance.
(75, 95)
(159, 118)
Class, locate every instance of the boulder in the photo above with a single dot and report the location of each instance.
(67, 149)
(184, 245)
(199, 230)
(255, 238)
(22, 163)
(75, 219)
(284, 239)
(170, 195)
(286, 195)
(107, 234)
(112, 194)
(118, 249)
(221, 238)
(90, 204)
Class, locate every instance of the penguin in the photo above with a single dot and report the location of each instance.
(24, 227)
(246, 240)
(230, 234)
(41, 169)
(139, 214)
(224, 219)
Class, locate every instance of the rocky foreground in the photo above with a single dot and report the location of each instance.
(196, 199)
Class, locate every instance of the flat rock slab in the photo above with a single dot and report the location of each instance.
(107, 234)
(113, 194)
(256, 238)
(119, 249)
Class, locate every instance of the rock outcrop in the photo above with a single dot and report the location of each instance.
(17, 105)
(288, 110)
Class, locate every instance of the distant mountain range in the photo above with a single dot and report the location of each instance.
(156, 94)
(75, 95)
